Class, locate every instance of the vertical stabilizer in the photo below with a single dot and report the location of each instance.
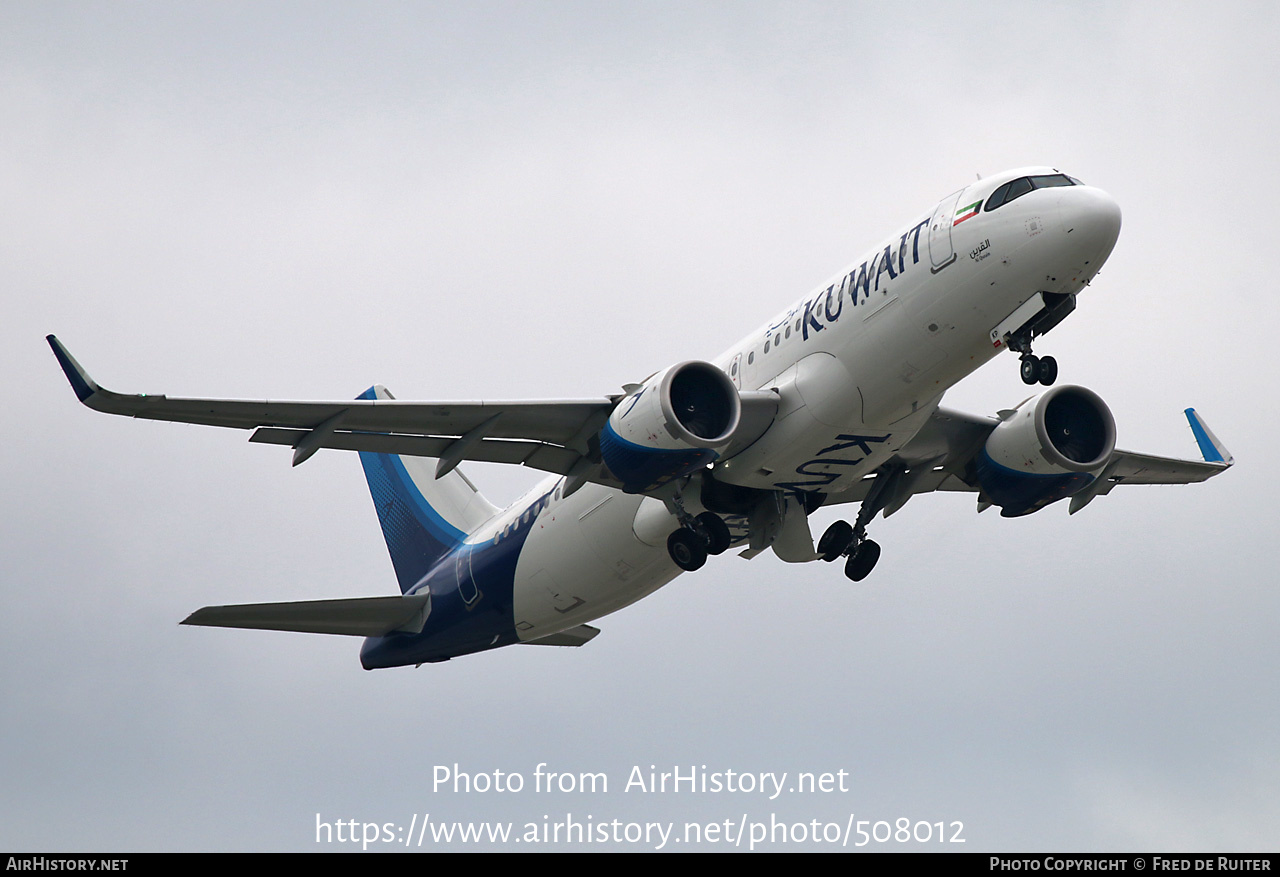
(423, 518)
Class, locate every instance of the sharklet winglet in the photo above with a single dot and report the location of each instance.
(1211, 448)
(79, 378)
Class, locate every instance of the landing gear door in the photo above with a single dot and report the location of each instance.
(941, 253)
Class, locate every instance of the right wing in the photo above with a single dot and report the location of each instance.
(560, 436)
(554, 435)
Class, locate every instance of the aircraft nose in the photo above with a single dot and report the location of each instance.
(1091, 219)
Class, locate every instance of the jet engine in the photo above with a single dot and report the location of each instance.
(1047, 450)
(674, 424)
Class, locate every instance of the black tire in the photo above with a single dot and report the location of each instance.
(835, 541)
(687, 550)
(1030, 370)
(1048, 371)
(862, 561)
(718, 537)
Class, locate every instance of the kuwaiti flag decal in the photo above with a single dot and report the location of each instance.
(967, 213)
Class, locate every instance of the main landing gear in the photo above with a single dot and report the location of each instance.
(1034, 369)
(842, 540)
(697, 537)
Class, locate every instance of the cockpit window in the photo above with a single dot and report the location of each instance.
(1021, 186)
(1051, 180)
(997, 198)
(1018, 188)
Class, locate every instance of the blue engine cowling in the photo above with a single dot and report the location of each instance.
(676, 423)
(1046, 451)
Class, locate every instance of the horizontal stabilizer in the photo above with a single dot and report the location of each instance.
(574, 636)
(364, 616)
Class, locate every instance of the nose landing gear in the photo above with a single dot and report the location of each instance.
(1034, 369)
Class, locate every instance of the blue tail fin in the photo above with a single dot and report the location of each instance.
(423, 518)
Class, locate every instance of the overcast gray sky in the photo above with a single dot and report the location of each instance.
(530, 200)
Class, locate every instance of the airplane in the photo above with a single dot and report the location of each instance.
(835, 400)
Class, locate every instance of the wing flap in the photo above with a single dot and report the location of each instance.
(364, 616)
(574, 636)
(922, 482)
(545, 457)
(1132, 468)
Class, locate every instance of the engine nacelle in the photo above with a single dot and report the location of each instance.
(675, 424)
(1046, 451)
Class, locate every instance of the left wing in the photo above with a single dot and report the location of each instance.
(941, 456)
(1127, 467)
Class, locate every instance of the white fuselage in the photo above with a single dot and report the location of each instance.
(859, 365)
